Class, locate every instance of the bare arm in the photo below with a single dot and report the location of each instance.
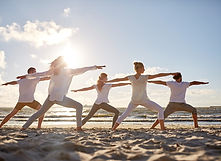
(119, 79)
(160, 75)
(45, 78)
(85, 69)
(158, 82)
(10, 83)
(197, 83)
(34, 75)
(83, 89)
(120, 84)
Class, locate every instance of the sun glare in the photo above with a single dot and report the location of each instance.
(72, 57)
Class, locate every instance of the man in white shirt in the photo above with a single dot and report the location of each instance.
(26, 96)
(177, 98)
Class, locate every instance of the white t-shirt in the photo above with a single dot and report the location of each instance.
(60, 83)
(139, 93)
(27, 89)
(102, 96)
(178, 91)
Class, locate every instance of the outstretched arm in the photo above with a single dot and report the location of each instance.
(160, 75)
(34, 75)
(197, 83)
(119, 79)
(158, 82)
(85, 69)
(120, 84)
(83, 89)
(10, 83)
(45, 78)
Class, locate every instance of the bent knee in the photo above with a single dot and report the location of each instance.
(194, 112)
(117, 112)
(79, 106)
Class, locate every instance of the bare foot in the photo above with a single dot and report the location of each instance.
(115, 126)
(79, 129)
(22, 129)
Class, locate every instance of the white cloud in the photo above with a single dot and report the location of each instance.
(155, 70)
(67, 12)
(33, 56)
(44, 61)
(37, 33)
(203, 91)
(2, 59)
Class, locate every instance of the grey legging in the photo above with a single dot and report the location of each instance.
(174, 106)
(67, 102)
(103, 106)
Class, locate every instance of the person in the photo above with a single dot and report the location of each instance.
(139, 94)
(177, 98)
(102, 101)
(61, 78)
(26, 96)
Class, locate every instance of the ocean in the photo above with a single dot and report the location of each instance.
(58, 115)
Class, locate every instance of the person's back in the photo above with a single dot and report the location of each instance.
(178, 91)
(27, 89)
(102, 95)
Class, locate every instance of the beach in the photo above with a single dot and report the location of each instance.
(98, 142)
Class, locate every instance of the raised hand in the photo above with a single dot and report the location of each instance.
(100, 67)
(74, 90)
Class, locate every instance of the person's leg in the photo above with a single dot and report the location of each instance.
(18, 107)
(111, 109)
(36, 105)
(129, 109)
(169, 110)
(44, 108)
(67, 102)
(155, 107)
(190, 109)
(93, 110)
(40, 119)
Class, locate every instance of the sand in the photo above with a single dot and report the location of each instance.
(64, 143)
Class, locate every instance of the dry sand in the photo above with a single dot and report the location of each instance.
(51, 144)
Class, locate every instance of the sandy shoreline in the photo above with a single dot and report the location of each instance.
(137, 143)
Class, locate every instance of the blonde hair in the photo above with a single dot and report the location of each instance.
(100, 83)
(57, 64)
(102, 75)
(138, 65)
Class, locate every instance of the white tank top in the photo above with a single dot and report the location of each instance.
(102, 95)
(139, 93)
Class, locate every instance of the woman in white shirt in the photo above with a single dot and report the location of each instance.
(177, 97)
(139, 94)
(102, 98)
(61, 78)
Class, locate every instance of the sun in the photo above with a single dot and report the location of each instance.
(71, 56)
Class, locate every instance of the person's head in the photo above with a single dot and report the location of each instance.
(31, 70)
(139, 67)
(59, 62)
(178, 77)
(103, 77)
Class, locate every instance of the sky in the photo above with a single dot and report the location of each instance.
(166, 35)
